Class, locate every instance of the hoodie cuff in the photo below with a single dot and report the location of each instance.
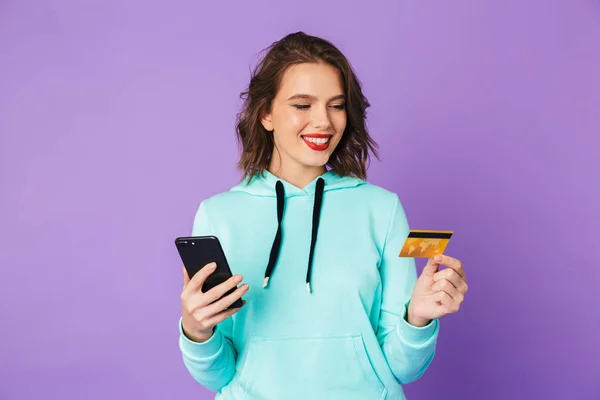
(414, 335)
(204, 350)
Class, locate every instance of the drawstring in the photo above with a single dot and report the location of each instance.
(277, 242)
(315, 227)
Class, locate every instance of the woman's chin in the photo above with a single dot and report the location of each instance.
(315, 161)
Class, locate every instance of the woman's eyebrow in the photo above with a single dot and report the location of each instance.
(310, 97)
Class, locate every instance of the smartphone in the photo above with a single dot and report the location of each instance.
(196, 252)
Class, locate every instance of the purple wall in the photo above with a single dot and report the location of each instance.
(116, 120)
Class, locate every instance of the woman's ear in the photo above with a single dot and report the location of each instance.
(267, 123)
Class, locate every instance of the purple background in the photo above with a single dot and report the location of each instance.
(116, 120)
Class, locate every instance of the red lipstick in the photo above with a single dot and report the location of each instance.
(318, 142)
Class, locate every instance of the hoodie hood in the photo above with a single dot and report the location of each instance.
(265, 185)
(269, 185)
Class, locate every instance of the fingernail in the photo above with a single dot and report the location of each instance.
(212, 265)
(245, 286)
(438, 258)
(237, 278)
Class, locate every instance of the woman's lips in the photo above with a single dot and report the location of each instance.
(317, 141)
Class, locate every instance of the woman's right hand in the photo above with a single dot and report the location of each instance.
(200, 311)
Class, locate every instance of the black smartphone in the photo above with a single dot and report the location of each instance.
(196, 252)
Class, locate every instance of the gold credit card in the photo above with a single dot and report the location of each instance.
(420, 243)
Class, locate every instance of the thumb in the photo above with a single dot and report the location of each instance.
(186, 278)
(430, 268)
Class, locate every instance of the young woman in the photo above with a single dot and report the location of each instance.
(330, 309)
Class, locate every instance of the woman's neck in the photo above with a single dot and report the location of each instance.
(297, 175)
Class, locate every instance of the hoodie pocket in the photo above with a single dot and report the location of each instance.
(336, 366)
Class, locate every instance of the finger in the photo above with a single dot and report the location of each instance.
(218, 291)
(223, 315)
(195, 284)
(226, 301)
(452, 263)
(452, 276)
(447, 287)
(447, 304)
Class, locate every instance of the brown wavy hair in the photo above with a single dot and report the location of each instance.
(351, 156)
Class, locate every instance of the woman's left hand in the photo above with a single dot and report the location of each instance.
(437, 293)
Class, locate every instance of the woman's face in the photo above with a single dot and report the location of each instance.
(308, 117)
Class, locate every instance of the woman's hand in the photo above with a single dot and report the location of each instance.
(437, 293)
(200, 311)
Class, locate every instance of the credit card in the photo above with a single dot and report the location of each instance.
(428, 244)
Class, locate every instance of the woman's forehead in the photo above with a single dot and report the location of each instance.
(320, 81)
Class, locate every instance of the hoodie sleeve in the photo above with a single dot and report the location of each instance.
(211, 363)
(408, 349)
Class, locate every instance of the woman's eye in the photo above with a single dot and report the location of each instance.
(306, 106)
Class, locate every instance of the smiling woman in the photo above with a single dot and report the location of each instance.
(304, 89)
(365, 324)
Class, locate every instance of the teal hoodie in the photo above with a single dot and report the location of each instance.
(331, 322)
